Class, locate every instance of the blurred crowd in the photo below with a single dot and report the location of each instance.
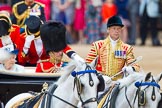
(85, 20)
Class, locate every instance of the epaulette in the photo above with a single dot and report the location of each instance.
(40, 3)
(16, 4)
(14, 10)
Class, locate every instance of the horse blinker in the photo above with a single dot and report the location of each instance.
(78, 85)
(142, 97)
(101, 85)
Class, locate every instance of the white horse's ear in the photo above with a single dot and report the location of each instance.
(158, 77)
(94, 62)
(148, 75)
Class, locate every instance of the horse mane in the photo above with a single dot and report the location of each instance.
(66, 71)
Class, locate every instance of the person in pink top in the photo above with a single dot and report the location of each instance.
(79, 19)
(47, 8)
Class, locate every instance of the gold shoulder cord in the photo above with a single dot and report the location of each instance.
(46, 70)
(21, 17)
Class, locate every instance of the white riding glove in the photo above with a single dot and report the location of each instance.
(6, 40)
(77, 58)
(128, 69)
(27, 44)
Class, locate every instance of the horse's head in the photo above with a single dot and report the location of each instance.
(149, 91)
(87, 83)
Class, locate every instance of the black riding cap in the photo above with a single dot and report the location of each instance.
(33, 25)
(114, 21)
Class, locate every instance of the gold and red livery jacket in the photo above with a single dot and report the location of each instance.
(31, 57)
(111, 61)
(47, 67)
(14, 35)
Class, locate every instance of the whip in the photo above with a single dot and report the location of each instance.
(139, 58)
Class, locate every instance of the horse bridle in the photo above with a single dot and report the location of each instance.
(139, 85)
(78, 83)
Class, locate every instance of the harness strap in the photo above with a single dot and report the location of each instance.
(127, 97)
(89, 100)
(136, 97)
(61, 99)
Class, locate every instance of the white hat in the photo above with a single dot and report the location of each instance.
(6, 51)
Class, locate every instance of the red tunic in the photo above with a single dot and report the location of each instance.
(14, 34)
(31, 57)
(47, 67)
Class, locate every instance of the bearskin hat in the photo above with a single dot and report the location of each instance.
(53, 36)
(33, 26)
(5, 24)
(114, 21)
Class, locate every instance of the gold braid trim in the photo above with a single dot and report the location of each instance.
(22, 16)
(104, 54)
(47, 70)
(6, 18)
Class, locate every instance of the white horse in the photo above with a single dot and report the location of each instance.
(138, 90)
(79, 84)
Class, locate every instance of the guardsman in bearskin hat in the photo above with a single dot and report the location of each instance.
(22, 10)
(8, 62)
(9, 33)
(32, 48)
(53, 37)
(114, 55)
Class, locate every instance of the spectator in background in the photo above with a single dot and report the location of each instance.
(5, 7)
(93, 20)
(55, 45)
(79, 19)
(47, 8)
(9, 32)
(148, 21)
(123, 13)
(22, 10)
(63, 11)
(31, 49)
(108, 10)
(133, 9)
(9, 63)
